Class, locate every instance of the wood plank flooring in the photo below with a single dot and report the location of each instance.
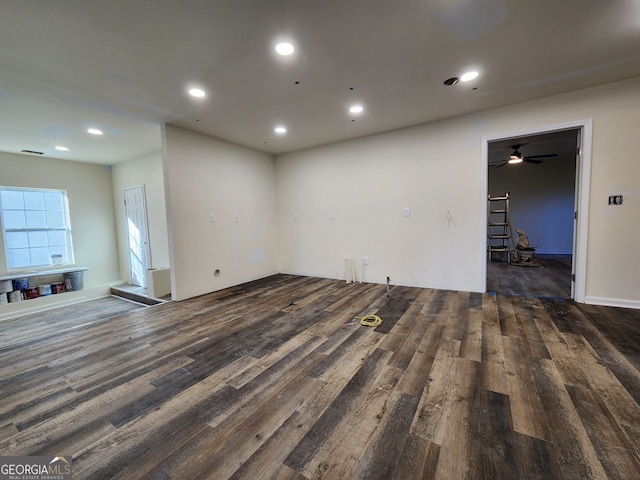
(274, 380)
(552, 279)
(30, 327)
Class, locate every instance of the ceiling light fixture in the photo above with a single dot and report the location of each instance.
(356, 109)
(197, 92)
(515, 157)
(94, 131)
(284, 48)
(468, 76)
(62, 148)
(280, 130)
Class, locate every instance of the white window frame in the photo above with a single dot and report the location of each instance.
(31, 231)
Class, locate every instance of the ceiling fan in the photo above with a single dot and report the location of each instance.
(517, 157)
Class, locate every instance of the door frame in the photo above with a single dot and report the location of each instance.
(146, 231)
(582, 192)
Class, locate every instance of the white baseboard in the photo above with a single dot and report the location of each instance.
(612, 302)
(40, 304)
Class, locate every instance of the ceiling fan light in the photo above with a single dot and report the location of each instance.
(514, 159)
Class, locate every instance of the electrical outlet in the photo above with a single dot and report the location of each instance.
(365, 260)
(407, 212)
(331, 216)
(295, 217)
(212, 218)
(615, 200)
(236, 218)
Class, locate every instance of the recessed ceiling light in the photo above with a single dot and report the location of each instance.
(356, 109)
(197, 92)
(284, 48)
(468, 76)
(280, 130)
(94, 131)
(62, 148)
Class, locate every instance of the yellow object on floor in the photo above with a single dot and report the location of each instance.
(371, 320)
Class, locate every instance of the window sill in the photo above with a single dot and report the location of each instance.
(38, 273)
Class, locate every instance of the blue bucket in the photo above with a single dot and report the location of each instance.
(20, 283)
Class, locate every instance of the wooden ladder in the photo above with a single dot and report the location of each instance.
(499, 232)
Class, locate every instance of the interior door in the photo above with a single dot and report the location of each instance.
(137, 235)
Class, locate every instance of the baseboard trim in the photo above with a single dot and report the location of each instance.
(612, 302)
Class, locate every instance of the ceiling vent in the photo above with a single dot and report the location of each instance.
(32, 151)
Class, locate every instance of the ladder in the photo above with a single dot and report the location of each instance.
(499, 233)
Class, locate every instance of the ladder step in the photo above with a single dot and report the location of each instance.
(498, 211)
(500, 249)
(499, 236)
(497, 199)
(499, 224)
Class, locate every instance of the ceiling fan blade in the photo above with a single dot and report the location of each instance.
(500, 165)
(549, 155)
(530, 160)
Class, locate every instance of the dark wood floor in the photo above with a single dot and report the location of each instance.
(549, 278)
(273, 379)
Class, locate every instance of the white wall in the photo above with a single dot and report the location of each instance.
(89, 191)
(148, 171)
(367, 183)
(206, 176)
(437, 168)
(542, 201)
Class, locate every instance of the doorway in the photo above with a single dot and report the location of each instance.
(548, 192)
(137, 235)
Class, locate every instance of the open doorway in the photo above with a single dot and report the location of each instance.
(546, 192)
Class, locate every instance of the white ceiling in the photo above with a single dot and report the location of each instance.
(124, 66)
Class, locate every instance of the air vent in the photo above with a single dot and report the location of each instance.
(32, 151)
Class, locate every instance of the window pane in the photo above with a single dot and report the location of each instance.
(38, 239)
(12, 200)
(40, 256)
(17, 258)
(35, 219)
(57, 237)
(17, 240)
(33, 201)
(13, 219)
(44, 213)
(54, 219)
(53, 201)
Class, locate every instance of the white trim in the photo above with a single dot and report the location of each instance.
(612, 302)
(584, 185)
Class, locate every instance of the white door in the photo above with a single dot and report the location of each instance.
(137, 237)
